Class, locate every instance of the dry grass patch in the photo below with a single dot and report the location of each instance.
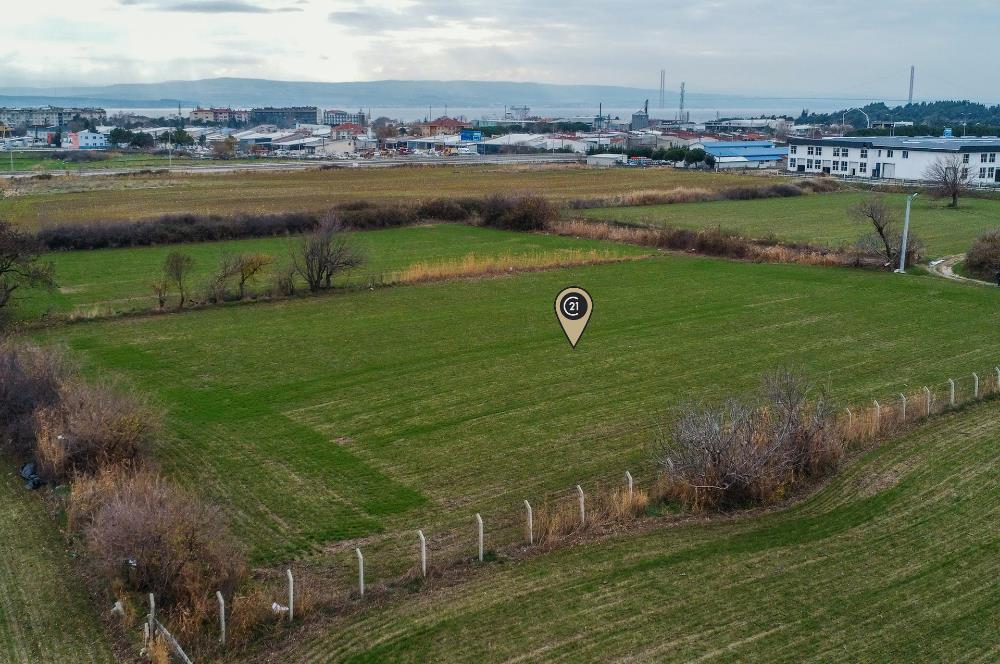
(475, 265)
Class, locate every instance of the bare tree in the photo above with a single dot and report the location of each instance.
(177, 267)
(323, 254)
(161, 288)
(948, 177)
(19, 263)
(877, 213)
(250, 266)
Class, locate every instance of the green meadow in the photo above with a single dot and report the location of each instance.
(317, 420)
(111, 281)
(820, 219)
(894, 560)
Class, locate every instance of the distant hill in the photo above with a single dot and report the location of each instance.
(262, 92)
(936, 114)
(383, 94)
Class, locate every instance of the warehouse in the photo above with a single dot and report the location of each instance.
(743, 154)
(896, 157)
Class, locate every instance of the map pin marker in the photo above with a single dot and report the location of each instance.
(573, 309)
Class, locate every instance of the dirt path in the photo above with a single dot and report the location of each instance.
(946, 269)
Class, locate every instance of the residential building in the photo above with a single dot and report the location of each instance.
(87, 140)
(337, 117)
(442, 125)
(347, 130)
(284, 117)
(47, 116)
(895, 157)
(222, 115)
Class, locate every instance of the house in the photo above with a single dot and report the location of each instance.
(442, 125)
(743, 154)
(347, 130)
(87, 140)
(895, 157)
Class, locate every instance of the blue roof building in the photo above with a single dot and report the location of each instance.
(745, 154)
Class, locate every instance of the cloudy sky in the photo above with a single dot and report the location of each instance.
(764, 47)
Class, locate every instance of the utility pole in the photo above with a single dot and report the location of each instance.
(909, 99)
(906, 232)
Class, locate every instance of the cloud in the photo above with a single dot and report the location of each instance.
(209, 7)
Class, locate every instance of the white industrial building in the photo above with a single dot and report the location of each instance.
(895, 157)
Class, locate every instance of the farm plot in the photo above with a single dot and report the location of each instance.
(819, 219)
(895, 560)
(45, 615)
(321, 420)
(83, 200)
(118, 280)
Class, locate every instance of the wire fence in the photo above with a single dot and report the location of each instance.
(350, 573)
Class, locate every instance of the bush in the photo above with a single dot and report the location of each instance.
(30, 379)
(80, 156)
(750, 452)
(372, 217)
(91, 426)
(148, 536)
(175, 229)
(983, 258)
(448, 209)
(518, 213)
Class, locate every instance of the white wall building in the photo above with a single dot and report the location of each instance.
(895, 157)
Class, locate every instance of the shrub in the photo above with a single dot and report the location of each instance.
(518, 213)
(371, 217)
(91, 426)
(446, 209)
(30, 379)
(750, 452)
(983, 258)
(148, 536)
(174, 229)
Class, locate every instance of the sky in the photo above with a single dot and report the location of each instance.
(850, 48)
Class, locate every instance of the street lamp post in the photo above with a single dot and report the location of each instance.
(906, 233)
(867, 119)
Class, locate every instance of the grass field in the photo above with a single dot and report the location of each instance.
(42, 162)
(318, 420)
(893, 561)
(44, 615)
(820, 219)
(84, 199)
(116, 280)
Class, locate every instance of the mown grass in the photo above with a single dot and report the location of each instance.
(820, 219)
(45, 615)
(35, 204)
(895, 560)
(324, 419)
(118, 280)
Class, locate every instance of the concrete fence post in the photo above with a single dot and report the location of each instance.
(951, 392)
(850, 418)
(361, 571)
(628, 479)
(903, 412)
(975, 385)
(927, 397)
(878, 416)
(479, 526)
(152, 614)
(583, 509)
(222, 617)
(291, 595)
(531, 523)
(423, 553)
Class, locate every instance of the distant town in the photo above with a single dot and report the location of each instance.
(858, 146)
